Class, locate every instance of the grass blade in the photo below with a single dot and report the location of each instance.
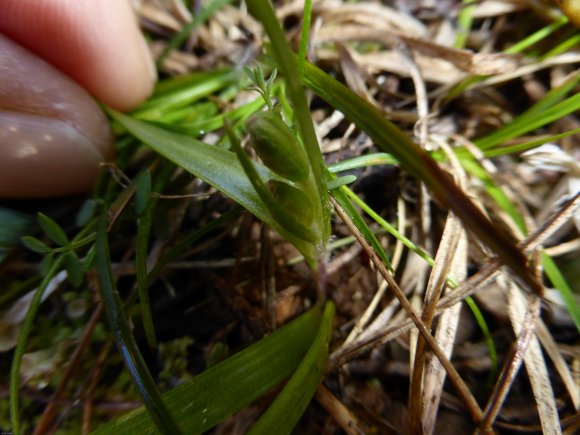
(526, 123)
(202, 402)
(289, 405)
(124, 339)
(558, 280)
(21, 346)
(390, 139)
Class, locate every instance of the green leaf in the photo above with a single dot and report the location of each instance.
(35, 245)
(558, 280)
(290, 404)
(74, 268)
(216, 166)
(143, 192)
(537, 116)
(90, 258)
(341, 181)
(209, 398)
(52, 230)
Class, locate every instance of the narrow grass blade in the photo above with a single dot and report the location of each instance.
(341, 196)
(216, 166)
(25, 330)
(521, 147)
(200, 86)
(207, 399)
(415, 160)
(374, 159)
(526, 123)
(304, 35)
(537, 36)
(144, 224)
(558, 280)
(290, 404)
(124, 339)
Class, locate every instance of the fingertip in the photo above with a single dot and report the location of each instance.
(96, 42)
(53, 135)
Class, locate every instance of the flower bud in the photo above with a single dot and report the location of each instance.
(277, 146)
(293, 209)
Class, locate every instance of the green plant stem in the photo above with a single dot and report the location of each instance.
(21, 345)
(124, 339)
(305, 35)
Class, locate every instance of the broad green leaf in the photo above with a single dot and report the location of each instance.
(389, 138)
(209, 398)
(216, 166)
(283, 414)
(52, 230)
(35, 245)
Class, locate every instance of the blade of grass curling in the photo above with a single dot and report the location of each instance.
(124, 339)
(25, 330)
(287, 62)
(284, 413)
(389, 138)
(216, 166)
(209, 398)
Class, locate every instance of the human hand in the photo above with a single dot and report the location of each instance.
(53, 135)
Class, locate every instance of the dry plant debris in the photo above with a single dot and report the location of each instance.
(385, 374)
